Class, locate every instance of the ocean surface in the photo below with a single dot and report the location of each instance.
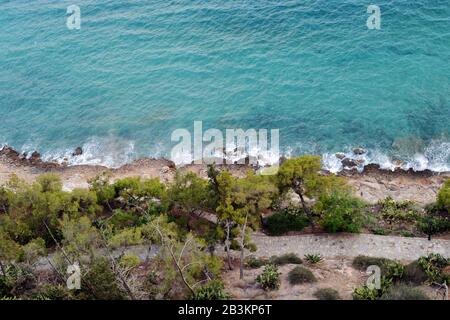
(137, 70)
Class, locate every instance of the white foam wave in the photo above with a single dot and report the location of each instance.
(110, 151)
(435, 157)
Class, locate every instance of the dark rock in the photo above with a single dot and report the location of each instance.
(349, 163)
(35, 157)
(359, 151)
(340, 155)
(78, 152)
(9, 152)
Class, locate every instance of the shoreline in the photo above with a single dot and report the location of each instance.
(372, 184)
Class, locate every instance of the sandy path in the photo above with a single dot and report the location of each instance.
(350, 245)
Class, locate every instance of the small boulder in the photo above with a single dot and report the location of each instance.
(359, 151)
(35, 157)
(349, 163)
(78, 152)
(340, 155)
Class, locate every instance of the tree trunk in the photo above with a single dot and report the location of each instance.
(302, 199)
(227, 246)
(241, 266)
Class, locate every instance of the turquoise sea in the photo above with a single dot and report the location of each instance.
(138, 69)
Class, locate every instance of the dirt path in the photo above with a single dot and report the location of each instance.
(350, 245)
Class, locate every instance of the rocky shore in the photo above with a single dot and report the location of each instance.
(371, 184)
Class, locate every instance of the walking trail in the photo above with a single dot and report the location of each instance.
(350, 245)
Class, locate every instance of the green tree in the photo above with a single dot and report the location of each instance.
(191, 192)
(302, 176)
(240, 204)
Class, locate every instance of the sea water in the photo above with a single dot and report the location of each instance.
(137, 70)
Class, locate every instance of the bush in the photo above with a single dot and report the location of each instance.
(55, 292)
(365, 293)
(404, 292)
(270, 278)
(390, 270)
(433, 265)
(213, 290)
(363, 262)
(393, 211)
(255, 263)
(414, 274)
(313, 258)
(340, 212)
(443, 199)
(288, 258)
(129, 261)
(431, 224)
(327, 294)
(300, 275)
(282, 222)
(100, 282)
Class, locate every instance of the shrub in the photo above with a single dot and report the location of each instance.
(300, 275)
(151, 285)
(390, 270)
(404, 292)
(431, 224)
(213, 290)
(414, 274)
(433, 265)
(443, 199)
(340, 212)
(100, 282)
(365, 293)
(282, 222)
(255, 263)
(55, 292)
(313, 258)
(363, 262)
(327, 294)
(49, 182)
(393, 211)
(129, 261)
(270, 278)
(288, 258)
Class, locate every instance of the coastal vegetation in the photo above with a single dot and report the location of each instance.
(193, 231)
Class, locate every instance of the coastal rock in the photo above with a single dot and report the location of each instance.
(251, 160)
(9, 152)
(35, 157)
(340, 155)
(349, 163)
(359, 151)
(78, 152)
(360, 162)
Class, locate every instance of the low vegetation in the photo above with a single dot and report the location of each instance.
(313, 258)
(300, 275)
(398, 281)
(269, 279)
(327, 294)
